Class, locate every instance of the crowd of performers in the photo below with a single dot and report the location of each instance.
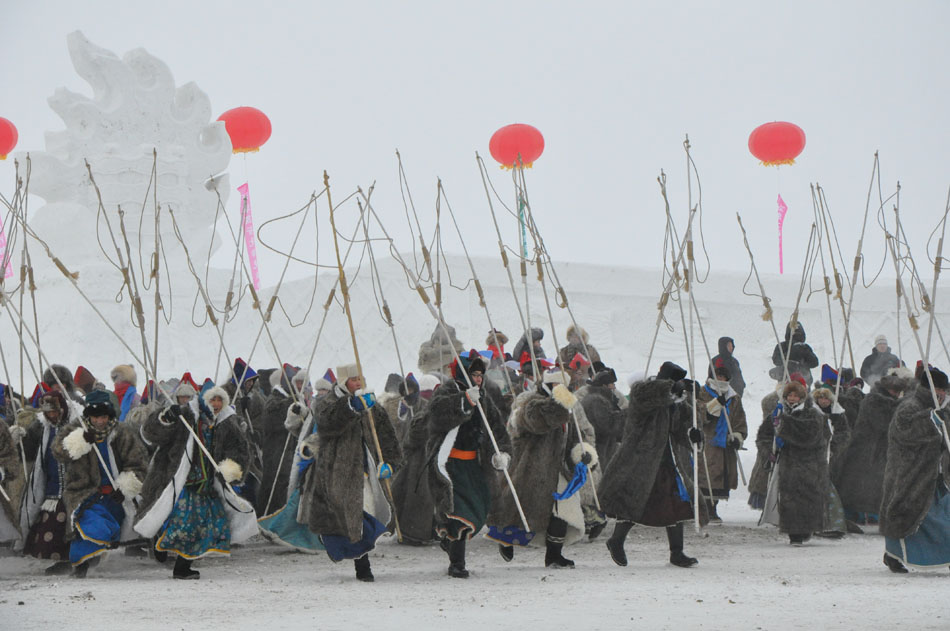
(523, 448)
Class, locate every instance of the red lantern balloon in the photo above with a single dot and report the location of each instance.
(248, 127)
(8, 137)
(516, 144)
(777, 143)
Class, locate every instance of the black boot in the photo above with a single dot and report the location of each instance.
(557, 530)
(615, 543)
(81, 570)
(363, 571)
(58, 568)
(506, 552)
(894, 565)
(183, 570)
(457, 559)
(674, 535)
(714, 517)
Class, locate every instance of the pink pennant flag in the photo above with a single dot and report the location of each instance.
(782, 209)
(248, 224)
(8, 273)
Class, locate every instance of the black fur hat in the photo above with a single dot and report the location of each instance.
(604, 377)
(939, 377)
(671, 371)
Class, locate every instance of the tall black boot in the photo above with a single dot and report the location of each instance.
(674, 535)
(615, 543)
(457, 559)
(557, 531)
(363, 570)
(183, 570)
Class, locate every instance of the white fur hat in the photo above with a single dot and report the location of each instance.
(216, 391)
(124, 373)
(346, 371)
(301, 376)
(427, 383)
(185, 389)
(322, 384)
(555, 377)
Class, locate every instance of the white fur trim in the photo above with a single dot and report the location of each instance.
(301, 377)
(75, 445)
(578, 450)
(129, 484)
(564, 396)
(901, 371)
(216, 391)
(346, 371)
(230, 470)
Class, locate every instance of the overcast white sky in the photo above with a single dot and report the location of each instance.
(613, 86)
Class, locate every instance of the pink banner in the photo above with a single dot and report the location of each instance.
(3, 253)
(782, 209)
(248, 224)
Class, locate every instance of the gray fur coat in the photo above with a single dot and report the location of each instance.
(606, 417)
(860, 475)
(915, 446)
(653, 425)
(803, 463)
(332, 494)
(542, 436)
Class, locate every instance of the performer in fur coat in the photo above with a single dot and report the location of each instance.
(801, 435)
(649, 480)
(342, 496)
(462, 465)
(11, 473)
(915, 510)
(278, 451)
(861, 474)
(184, 500)
(248, 404)
(603, 411)
(42, 511)
(96, 507)
(545, 473)
(720, 407)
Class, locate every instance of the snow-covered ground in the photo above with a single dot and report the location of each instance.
(747, 578)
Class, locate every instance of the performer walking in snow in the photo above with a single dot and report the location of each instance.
(720, 407)
(801, 358)
(548, 468)
(879, 362)
(183, 500)
(463, 467)
(915, 510)
(42, 511)
(344, 501)
(648, 481)
(727, 347)
(95, 507)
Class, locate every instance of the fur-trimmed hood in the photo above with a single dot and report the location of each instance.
(123, 373)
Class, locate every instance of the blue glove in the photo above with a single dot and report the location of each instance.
(361, 402)
(384, 471)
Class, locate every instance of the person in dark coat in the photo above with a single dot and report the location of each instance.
(248, 404)
(342, 498)
(801, 358)
(96, 507)
(11, 478)
(276, 447)
(649, 480)
(879, 362)
(603, 411)
(915, 509)
(726, 348)
(462, 464)
(860, 474)
(801, 438)
(521, 348)
(546, 452)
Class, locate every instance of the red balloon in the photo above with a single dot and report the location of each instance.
(248, 127)
(512, 141)
(777, 143)
(8, 137)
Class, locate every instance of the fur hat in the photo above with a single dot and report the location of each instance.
(490, 340)
(471, 362)
(939, 377)
(671, 371)
(822, 392)
(345, 372)
(216, 391)
(573, 332)
(604, 377)
(98, 403)
(301, 375)
(322, 385)
(57, 373)
(553, 377)
(185, 389)
(794, 386)
(59, 400)
(436, 352)
(428, 383)
(123, 373)
(84, 379)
